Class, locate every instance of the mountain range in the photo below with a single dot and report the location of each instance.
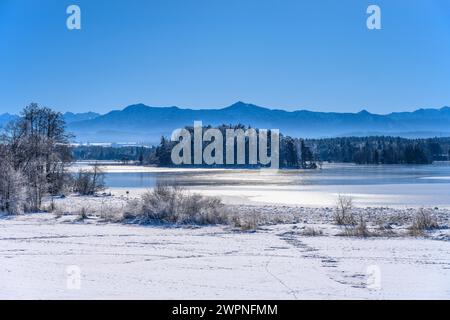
(144, 124)
(69, 117)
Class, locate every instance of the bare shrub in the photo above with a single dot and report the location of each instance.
(89, 182)
(311, 232)
(203, 210)
(358, 230)
(344, 211)
(384, 228)
(245, 222)
(110, 212)
(422, 221)
(171, 204)
(113, 214)
(361, 228)
(133, 210)
(82, 215)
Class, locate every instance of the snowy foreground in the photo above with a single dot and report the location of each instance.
(41, 257)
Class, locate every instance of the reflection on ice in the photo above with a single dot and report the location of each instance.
(394, 185)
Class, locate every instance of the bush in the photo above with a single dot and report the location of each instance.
(246, 222)
(82, 215)
(358, 230)
(422, 222)
(343, 213)
(89, 182)
(311, 232)
(171, 204)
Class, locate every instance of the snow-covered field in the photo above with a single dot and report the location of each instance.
(57, 256)
(38, 253)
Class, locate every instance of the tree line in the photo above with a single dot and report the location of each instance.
(297, 152)
(124, 154)
(380, 150)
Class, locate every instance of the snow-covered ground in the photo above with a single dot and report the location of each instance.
(40, 257)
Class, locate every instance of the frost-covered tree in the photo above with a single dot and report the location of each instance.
(36, 146)
(13, 190)
(89, 182)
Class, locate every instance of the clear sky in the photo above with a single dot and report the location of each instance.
(291, 54)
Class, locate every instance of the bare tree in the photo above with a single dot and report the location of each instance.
(89, 182)
(37, 146)
(344, 211)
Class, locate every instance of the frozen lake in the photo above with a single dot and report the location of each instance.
(383, 185)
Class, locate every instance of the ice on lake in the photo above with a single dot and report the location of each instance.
(369, 185)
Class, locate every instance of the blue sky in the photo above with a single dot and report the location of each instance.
(291, 54)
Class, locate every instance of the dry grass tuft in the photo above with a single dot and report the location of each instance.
(82, 215)
(311, 232)
(171, 204)
(246, 222)
(358, 230)
(423, 221)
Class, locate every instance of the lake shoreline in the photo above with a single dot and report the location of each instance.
(111, 205)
